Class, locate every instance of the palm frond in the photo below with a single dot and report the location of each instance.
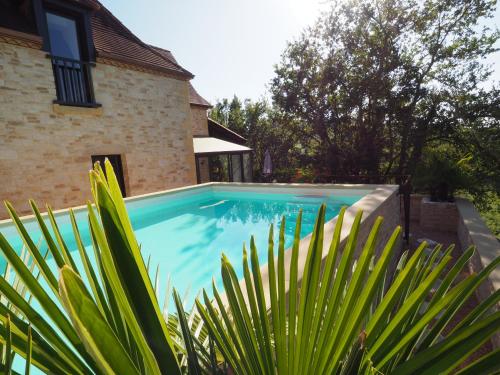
(344, 315)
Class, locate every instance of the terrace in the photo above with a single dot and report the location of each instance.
(333, 226)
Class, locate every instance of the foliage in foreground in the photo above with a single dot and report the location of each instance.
(112, 322)
(348, 317)
(343, 316)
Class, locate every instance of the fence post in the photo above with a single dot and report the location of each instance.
(405, 189)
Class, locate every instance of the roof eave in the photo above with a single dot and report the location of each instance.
(91, 5)
(213, 145)
(207, 106)
(180, 73)
(227, 129)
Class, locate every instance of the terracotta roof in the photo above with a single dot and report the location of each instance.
(113, 40)
(194, 97)
(15, 16)
(92, 4)
(220, 131)
(197, 99)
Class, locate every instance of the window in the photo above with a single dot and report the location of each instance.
(63, 36)
(116, 162)
(219, 168)
(236, 163)
(202, 169)
(247, 167)
(72, 70)
(223, 167)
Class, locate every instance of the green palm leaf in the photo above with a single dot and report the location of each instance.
(97, 336)
(342, 316)
(119, 312)
(131, 270)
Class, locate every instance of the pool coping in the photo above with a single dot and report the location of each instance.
(370, 204)
(134, 198)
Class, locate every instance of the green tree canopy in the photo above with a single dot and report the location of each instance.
(374, 81)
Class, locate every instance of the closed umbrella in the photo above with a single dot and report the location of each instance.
(268, 165)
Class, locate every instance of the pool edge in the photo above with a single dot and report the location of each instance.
(274, 186)
(382, 200)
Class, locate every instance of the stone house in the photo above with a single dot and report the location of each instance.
(77, 86)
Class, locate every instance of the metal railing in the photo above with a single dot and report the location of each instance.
(393, 179)
(73, 81)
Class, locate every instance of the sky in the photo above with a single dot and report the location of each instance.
(231, 46)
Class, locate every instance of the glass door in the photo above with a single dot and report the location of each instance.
(236, 170)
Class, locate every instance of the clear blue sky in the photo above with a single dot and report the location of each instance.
(229, 45)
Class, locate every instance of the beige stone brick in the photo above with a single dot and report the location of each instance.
(200, 122)
(442, 216)
(45, 150)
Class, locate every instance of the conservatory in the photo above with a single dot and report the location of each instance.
(219, 160)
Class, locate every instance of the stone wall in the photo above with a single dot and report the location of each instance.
(200, 122)
(442, 216)
(472, 231)
(389, 210)
(462, 219)
(45, 150)
(415, 202)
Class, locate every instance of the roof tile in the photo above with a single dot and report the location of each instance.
(194, 97)
(197, 99)
(112, 39)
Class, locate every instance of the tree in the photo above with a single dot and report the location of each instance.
(265, 129)
(374, 81)
(231, 114)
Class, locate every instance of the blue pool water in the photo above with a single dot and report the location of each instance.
(185, 233)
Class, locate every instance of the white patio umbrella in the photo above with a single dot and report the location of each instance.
(268, 165)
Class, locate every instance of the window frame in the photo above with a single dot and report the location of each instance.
(63, 8)
(79, 36)
(81, 15)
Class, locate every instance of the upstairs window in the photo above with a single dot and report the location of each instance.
(72, 70)
(63, 36)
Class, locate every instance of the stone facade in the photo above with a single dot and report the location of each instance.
(200, 128)
(45, 150)
(200, 122)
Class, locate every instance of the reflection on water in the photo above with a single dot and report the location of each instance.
(185, 237)
(187, 242)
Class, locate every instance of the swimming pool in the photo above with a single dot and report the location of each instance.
(184, 232)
